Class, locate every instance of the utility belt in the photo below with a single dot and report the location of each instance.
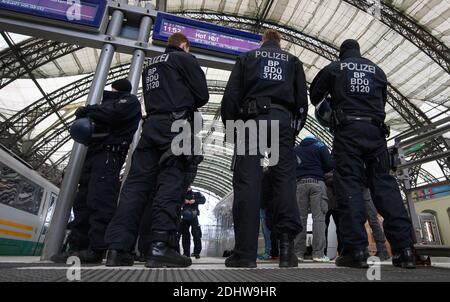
(176, 115)
(340, 118)
(308, 181)
(251, 108)
(117, 148)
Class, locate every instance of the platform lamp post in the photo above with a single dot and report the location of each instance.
(55, 236)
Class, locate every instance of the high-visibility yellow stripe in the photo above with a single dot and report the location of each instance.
(16, 225)
(17, 234)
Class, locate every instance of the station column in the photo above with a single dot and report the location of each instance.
(57, 230)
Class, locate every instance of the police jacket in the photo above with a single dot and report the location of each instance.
(174, 82)
(357, 86)
(199, 199)
(266, 72)
(118, 115)
(313, 159)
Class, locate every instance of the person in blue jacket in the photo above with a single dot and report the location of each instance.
(313, 161)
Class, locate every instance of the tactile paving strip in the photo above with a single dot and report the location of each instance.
(49, 272)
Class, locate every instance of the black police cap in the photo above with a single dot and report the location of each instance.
(122, 85)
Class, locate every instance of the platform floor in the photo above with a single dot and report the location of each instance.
(30, 269)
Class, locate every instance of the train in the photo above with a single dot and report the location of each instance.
(27, 201)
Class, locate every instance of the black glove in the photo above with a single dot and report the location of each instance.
(81, 112)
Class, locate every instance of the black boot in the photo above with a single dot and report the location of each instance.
(163, 255)
(62, 257)
(237, 261)
(404, 258)
(119, 258)
(140, 257)
(197, 256)
(287, 254)
(355, 259)
(90, 256)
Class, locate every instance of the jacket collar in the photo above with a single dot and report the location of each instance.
(113, 95)
(350, 53)
(271, 44)
(172, 48)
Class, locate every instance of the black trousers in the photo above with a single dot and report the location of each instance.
(153, 169)
(360, 151)
(196, 231)
(247, 189)
(96, 199)
(145, 237)
(145, 234)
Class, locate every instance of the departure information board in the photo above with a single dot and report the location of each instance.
(81, 12)
(204, 35)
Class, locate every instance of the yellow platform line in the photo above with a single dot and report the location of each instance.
(16, 225)
(17, 234)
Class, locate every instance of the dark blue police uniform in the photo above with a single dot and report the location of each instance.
(265, 78)
(118, 115)
(358, 90)
(174, 87)
(189, 220)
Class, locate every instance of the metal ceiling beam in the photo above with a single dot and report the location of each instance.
(410, 30)
(415, 117)
(161, 5)
(262, 15)
(36, 53)
(40, 110)
(21, 59)
(405, 108)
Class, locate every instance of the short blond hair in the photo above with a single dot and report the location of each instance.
(271, 35)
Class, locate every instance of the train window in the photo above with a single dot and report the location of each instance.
(50, 211)
(9, 185)
(19, 192)
(51, 207)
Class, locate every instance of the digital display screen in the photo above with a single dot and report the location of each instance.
(206, 36)
(83, 12)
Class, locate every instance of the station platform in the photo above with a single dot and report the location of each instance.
(30, 269)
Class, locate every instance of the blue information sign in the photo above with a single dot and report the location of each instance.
(80, 12)
(204, 35)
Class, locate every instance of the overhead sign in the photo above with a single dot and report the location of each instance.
(204, 35)
(79, 12)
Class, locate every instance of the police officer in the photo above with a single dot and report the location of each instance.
(190, 213)
(115, 121)
(266, 84)
(174, 87)
(145, 233)
(358, 90)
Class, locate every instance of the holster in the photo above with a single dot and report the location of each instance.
(182, 115)
(251, 108)
(394, 160)
(340, 118)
